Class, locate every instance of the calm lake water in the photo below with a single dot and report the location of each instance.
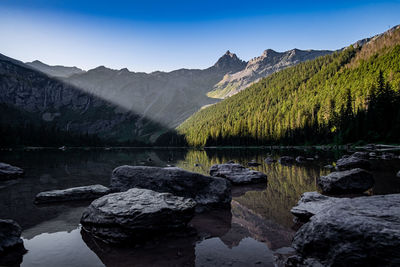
(257, 228)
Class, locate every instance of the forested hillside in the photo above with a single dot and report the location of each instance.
(347, 96)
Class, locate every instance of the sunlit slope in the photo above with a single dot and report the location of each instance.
(310, 94)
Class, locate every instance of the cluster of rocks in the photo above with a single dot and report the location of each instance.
(142, 202)
(340, 231)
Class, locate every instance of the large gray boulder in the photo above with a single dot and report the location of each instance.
(361, 231)
(312, 203)
(136, 215)
(75, 193)
(343, 182)
(347, 163)
(237, 174)
(10, 235)
(8, 171)
(208, 192)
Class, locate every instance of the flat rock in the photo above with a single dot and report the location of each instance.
(208, 192)
(343, 182)
(10, 235)
(237, 174)
(75, 193)
(312, 203)
(136, 215)
(8, 171)
(351, 162)
(361, 231)
(286, 160)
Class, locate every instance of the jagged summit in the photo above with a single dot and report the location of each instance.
(267, 63)
(230, 61)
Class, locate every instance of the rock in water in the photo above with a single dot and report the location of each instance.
(207, 191)
(285, 160)
(361, 231)
(312, 203)
(10, 234)
(8, 171)
(347, 163)
(237, 174)
(361, 155)
(269, 160)
(136, 215)
(300, 159)
(75, 193)
(352, 181)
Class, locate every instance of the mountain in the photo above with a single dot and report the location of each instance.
(164, 97)
(116, 105)
(349, 95)
(269, 62)
(29, 99)
(54, 71)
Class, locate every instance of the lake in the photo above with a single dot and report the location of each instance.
(258, 228)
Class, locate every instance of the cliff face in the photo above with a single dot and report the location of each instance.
(47, 100)
(269, 62)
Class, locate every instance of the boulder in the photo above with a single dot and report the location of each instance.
(75, 193)
(269, 160)
(312, 203)
(286, 160)
(136, 215)
(361, 231)
(347, 163)
(300, 159)
(208, 192)
(398, 174)
(237, 174)
(8, 171)
(10, 235)
(343, 182)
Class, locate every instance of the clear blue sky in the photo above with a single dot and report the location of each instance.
(166, 35)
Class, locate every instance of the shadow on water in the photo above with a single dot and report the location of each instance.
(258, 225)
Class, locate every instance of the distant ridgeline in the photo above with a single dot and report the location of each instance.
(347, 96)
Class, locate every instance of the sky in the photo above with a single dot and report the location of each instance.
(150, 35)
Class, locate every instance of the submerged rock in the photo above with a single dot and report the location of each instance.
(361, 231)
(208, 192)
(269, 160)
(343, 182)
(286, 160)
(75, 193)
(300, 159)
(10, 235)
(253, 164)
(237, 174)
(8, 171)
(136, 215)
(347, 163)
(361, 155)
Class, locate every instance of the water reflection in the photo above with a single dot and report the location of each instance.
(257, 227)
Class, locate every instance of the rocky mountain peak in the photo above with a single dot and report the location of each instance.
(229, 62)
